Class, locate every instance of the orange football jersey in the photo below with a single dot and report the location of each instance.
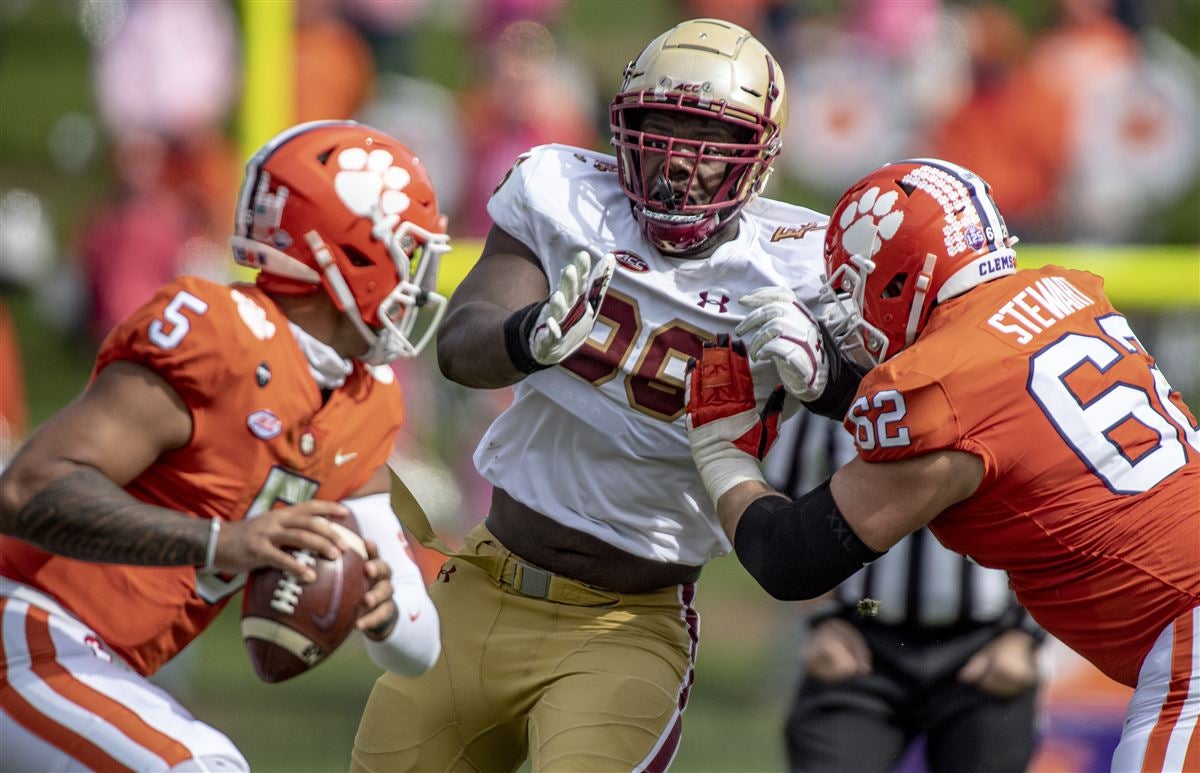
(1090, 498)
(261, 438)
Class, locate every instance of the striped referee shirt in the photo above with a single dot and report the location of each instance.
(918, 583)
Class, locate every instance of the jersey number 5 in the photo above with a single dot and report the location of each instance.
(166, 333)
(1089, 427)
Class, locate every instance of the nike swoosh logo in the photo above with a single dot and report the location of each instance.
(339, 458)
(325, 620)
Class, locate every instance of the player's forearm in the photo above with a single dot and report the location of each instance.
(471, 349)
(84, 515)
(733, 503)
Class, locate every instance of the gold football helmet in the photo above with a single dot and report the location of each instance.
(705, 74)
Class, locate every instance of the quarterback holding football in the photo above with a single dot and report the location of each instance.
(226, 428)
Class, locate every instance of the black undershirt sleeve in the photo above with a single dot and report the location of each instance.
(799, 549)
(844, 377)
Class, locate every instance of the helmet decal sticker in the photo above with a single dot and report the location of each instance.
(368, 179)
(867, 224)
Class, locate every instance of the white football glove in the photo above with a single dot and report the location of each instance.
(566, 318)
(546, 333)
(782, 330)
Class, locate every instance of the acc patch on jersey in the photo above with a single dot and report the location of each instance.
(264, 424)
(631, 262)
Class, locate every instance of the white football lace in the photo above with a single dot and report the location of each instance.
(288, 589)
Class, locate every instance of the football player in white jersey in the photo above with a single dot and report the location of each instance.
(569, 634)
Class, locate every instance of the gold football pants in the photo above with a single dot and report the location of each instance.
(536, 665)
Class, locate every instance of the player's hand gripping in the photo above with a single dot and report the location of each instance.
(381, 615)
(548, 332)
(781, 329)
(260, 541)
(727, 432)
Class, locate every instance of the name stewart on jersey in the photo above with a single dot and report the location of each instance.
(1038, 307)
(598, 443)
(1086, 452)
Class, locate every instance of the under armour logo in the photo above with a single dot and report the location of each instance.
(722, 303)
(444, 573)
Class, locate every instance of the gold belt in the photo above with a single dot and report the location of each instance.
(500, 563)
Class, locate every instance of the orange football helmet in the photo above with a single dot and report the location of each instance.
(904, 238)
(345, 208)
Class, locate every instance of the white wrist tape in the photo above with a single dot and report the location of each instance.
(721, 464)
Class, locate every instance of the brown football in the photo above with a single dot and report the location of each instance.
(288, 626)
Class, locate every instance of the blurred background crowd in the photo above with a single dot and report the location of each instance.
(122, 138)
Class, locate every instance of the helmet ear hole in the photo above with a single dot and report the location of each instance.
(895, 287)
(356, 257)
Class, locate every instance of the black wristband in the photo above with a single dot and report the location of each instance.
(517, 329)
(844, 377)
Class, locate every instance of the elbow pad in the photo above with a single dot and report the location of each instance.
(799, 549)
(844, 377)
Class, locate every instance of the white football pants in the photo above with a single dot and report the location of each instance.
(66, 703)
(1161, 732)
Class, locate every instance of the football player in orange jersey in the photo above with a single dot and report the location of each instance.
(222, 423)
(1014, 412)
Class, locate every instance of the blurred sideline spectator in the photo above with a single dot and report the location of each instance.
(526, 93)
(335, 70)
(14, 416)
(26, 255)
(152, 229)
(1135, 106)
(388, 29)
(166, 77)
(1013, 127)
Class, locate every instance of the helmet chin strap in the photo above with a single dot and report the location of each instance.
(924, 279)
(663, 192)
(338, 283)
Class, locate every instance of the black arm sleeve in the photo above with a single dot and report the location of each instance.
(801, 549)
(842, 385)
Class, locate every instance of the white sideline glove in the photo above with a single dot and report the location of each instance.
(566, 318)
(782, 330)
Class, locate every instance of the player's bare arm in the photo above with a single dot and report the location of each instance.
(470, 342)
(885, 501)
(63, 491)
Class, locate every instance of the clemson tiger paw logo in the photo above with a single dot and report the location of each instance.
(869, 222)
(367, 179)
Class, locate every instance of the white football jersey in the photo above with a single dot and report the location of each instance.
(599, 442)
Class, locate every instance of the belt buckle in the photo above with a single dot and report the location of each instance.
(532, 581)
